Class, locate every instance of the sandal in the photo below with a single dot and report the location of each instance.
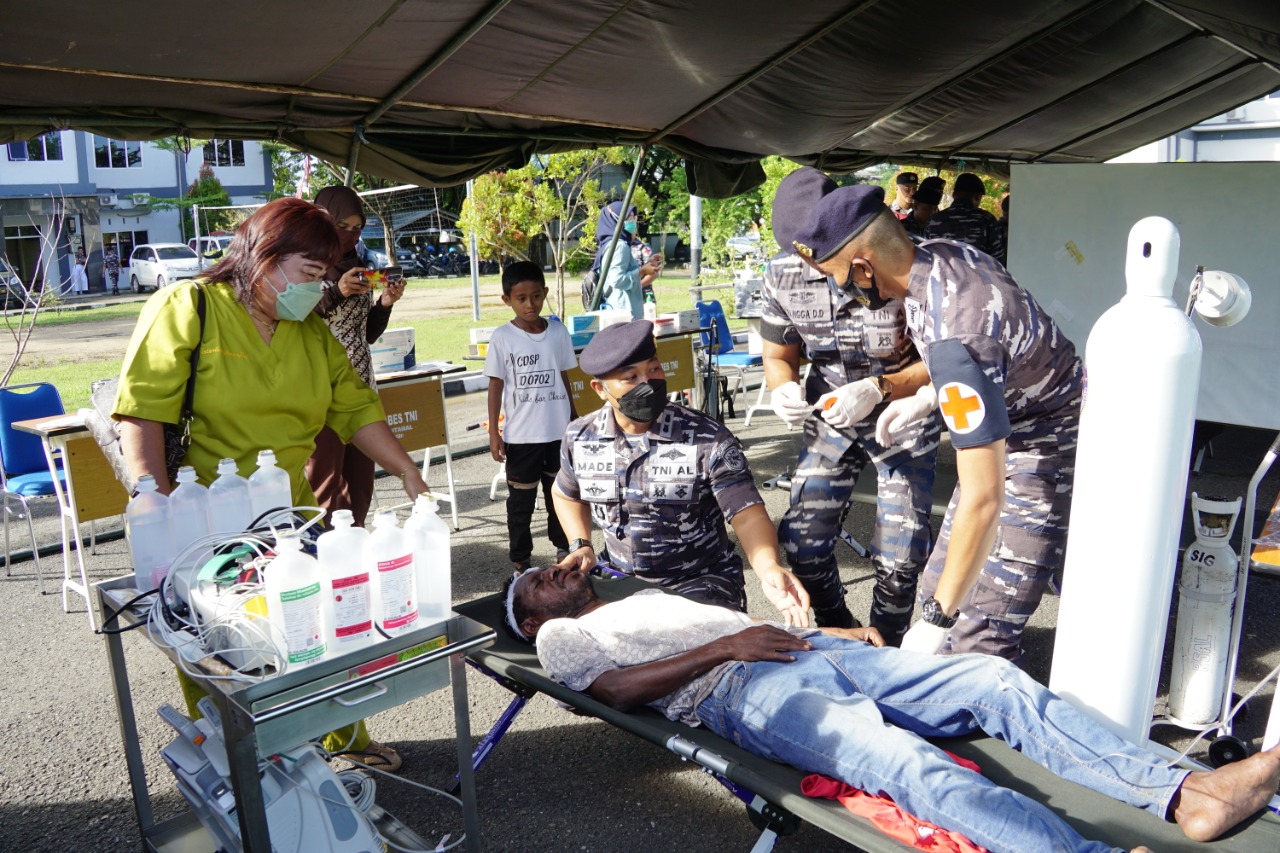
(376, 755)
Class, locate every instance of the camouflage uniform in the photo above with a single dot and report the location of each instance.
(662, 498)
(969, 224)
(846, 343)
(1003, 369)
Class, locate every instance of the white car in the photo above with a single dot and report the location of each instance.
(743, 246)
(153, 265)
(211, 248)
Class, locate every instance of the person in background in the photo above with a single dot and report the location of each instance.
(528, 365)
(622, 289)
(111, 266)
(1004, 221)
(340, 475)
(270, 375)
(927, 201)
(660, 480)
(643, 254)
(904, 198)
(79, 278)
(966, 222)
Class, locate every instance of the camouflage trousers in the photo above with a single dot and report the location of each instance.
(1030, 547)
(827, 469)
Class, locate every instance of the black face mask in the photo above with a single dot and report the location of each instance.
(869, 297)
(644, 402)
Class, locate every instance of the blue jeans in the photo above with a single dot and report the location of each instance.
(859, 714)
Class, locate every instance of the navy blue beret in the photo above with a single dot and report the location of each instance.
(617, 346)
(795, 198)
(838, 218)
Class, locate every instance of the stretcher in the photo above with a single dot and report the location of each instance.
(771, 791)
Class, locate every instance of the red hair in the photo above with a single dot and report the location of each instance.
(286, 226)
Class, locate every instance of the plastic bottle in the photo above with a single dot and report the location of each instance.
(348, 589)
(229, 502)
(294, 599)
(269, 486)
(150, 537)
(429, 535)
(188, 510)
(395, 607)
(650, 307)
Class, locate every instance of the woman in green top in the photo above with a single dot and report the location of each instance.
(270, 373)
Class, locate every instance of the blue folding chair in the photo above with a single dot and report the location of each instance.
(24, 468)
(731, 361)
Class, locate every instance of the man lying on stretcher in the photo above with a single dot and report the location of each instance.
(836, 701)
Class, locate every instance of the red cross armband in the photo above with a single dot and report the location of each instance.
(971, 403)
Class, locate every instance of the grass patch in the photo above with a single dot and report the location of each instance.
(71, 378)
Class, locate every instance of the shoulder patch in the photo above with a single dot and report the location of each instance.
(972, 405)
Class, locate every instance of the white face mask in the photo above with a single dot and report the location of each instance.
(298, 299)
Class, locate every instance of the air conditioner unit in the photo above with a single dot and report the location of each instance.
(124, 202)
(1238, 114)
(142, 198)
(108, 199)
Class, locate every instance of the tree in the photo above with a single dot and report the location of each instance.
(557, 196)
(20, 325)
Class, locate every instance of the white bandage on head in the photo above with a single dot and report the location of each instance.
(516, 580)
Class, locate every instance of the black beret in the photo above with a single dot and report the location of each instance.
(908, 178)
(617, 346)
(837, 219)
(969, 183)
(796, 196)
(928, 195)
(933, 181)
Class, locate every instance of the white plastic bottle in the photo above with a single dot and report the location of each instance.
(395, 608)
(269, 486)
(429, 535)
(229, 502)
(348, 589)
(294, 599)
(150, 537)
(188, 510)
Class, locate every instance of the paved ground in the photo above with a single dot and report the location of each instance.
(557, 782)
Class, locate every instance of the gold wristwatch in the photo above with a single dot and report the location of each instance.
(884, 386)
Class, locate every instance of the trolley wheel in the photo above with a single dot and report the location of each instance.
(1227, 749)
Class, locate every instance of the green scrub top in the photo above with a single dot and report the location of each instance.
(249, 396)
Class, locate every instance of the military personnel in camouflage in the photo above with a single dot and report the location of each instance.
(660, 480)
(846, 344)
(1009, 385)
(966, 222)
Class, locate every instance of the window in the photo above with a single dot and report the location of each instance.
(46, 147)
(115, 154)
(224, 152)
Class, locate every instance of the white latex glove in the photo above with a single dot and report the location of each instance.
(788, 401)
(901, 415)
(844, 407)
(924, 638)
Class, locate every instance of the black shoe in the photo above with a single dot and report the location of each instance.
(835, 617)
(115, 291)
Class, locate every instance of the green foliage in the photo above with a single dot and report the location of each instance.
(286, 166)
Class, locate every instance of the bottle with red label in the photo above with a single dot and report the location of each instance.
(348, 587)
(395, 607)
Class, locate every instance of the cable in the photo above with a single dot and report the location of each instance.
(115, 614)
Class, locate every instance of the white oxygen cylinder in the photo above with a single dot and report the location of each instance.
(1142, 376)
(1206, 598)
(1271, 736)
(395, 603)
(188, 510)
(294, 603)
(230, 506)
(348, 589)
(146, 520)
(269, 486)
(429, 535)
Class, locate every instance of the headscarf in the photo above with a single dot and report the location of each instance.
(341, 202)
(604, 231)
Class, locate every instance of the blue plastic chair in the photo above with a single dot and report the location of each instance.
(734, 362)
(24, 469)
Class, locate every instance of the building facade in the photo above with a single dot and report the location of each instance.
(68, 191)
(1248, 133)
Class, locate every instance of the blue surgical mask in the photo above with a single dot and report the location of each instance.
(297, 300)
(630, 226)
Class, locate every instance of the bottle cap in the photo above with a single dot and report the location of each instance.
(186, 474)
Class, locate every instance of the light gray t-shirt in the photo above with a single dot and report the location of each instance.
(647, 626)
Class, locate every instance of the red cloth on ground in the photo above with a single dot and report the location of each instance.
(886, 816)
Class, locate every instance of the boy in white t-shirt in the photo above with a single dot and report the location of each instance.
(527, 365)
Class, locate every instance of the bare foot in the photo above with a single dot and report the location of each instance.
(1210, 803)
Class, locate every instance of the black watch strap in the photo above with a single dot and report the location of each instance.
(580, 543)
(931, 612)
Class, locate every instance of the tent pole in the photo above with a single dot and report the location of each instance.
(695, 246)
(475, 262)
(617, 229)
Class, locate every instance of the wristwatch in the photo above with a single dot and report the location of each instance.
(884, 386)
(580, 543)
(931, 612)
